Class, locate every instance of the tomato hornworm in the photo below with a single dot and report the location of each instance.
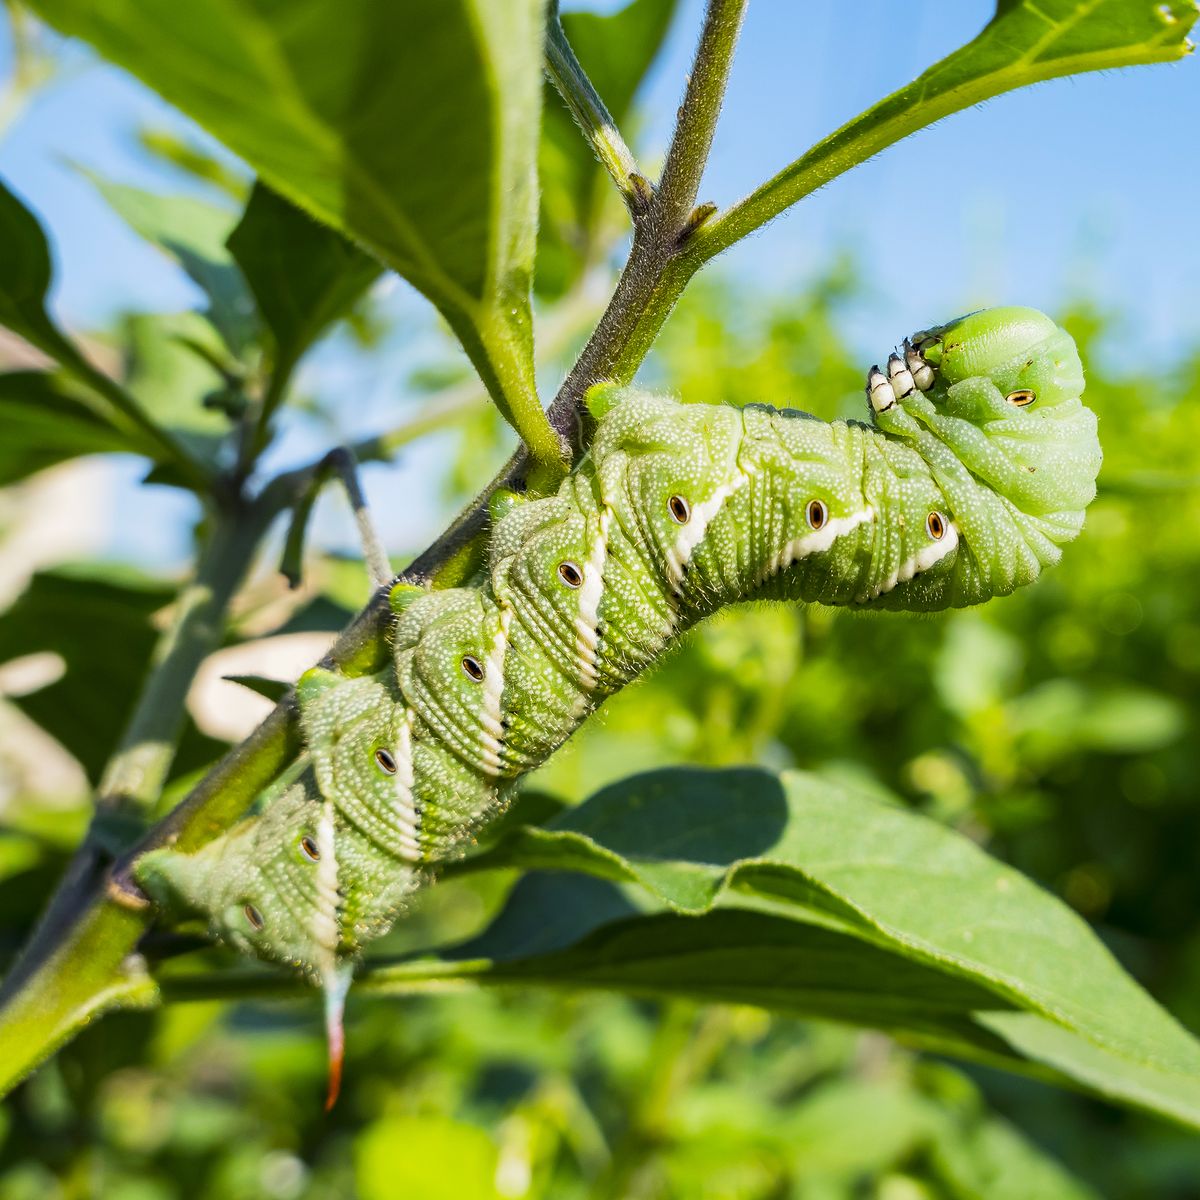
(976, 467)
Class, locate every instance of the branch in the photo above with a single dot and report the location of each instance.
(134, 777)
(257, 434)
(593, 118)
(697, 119)
(76, 962)
(660, 237)
(342, 462)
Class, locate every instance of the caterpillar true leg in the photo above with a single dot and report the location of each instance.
(904, 375)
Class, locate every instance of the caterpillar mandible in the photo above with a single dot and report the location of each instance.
(976, 467)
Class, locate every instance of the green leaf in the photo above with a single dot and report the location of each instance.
(824, 1132)
(193, 233)
(616, 50)
(25, 275)
(273, 689)
(1062, 717)
(46, 421)
(99, 621)
(303, 275)
(855, 876)
(726, 956)
(547, 911)
(410, 128)
(992, 1161)
(1026, 41)
(168, 369)
(194, 160)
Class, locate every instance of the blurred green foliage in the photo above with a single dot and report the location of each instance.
(1054, 726)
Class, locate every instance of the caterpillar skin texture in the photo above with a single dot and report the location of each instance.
(975, 469)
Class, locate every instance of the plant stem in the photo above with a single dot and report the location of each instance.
(134, 777)
(90, 969)
(52, 983)
(592, 116)
(342, 462)
(257, 435)
(697, 121)
(935, 94)
(656, 240)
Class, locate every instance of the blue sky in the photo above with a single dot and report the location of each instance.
(1088, 185)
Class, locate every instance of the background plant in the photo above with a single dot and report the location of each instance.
(1004, 724)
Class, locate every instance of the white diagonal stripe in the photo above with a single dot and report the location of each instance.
(325, 929)
(692, 533)
(924, 558)
(587, 620)
(492, 710)
(816, 542)
(407, 821)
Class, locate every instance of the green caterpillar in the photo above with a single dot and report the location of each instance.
(976, 468)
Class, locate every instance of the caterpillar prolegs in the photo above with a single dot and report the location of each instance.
(976, 466)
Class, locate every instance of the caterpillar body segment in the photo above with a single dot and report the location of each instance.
(974, 469)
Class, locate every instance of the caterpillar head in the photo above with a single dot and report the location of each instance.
(1026, 356)
(1000, 389)
(1001, 359)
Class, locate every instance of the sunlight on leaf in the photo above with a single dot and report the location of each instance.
(323, 102)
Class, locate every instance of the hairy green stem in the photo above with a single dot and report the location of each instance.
(89, 969)
(697, 122)
(257, 434)
(657, 238)
(592, 116)
(935, 94)
(342, 463)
